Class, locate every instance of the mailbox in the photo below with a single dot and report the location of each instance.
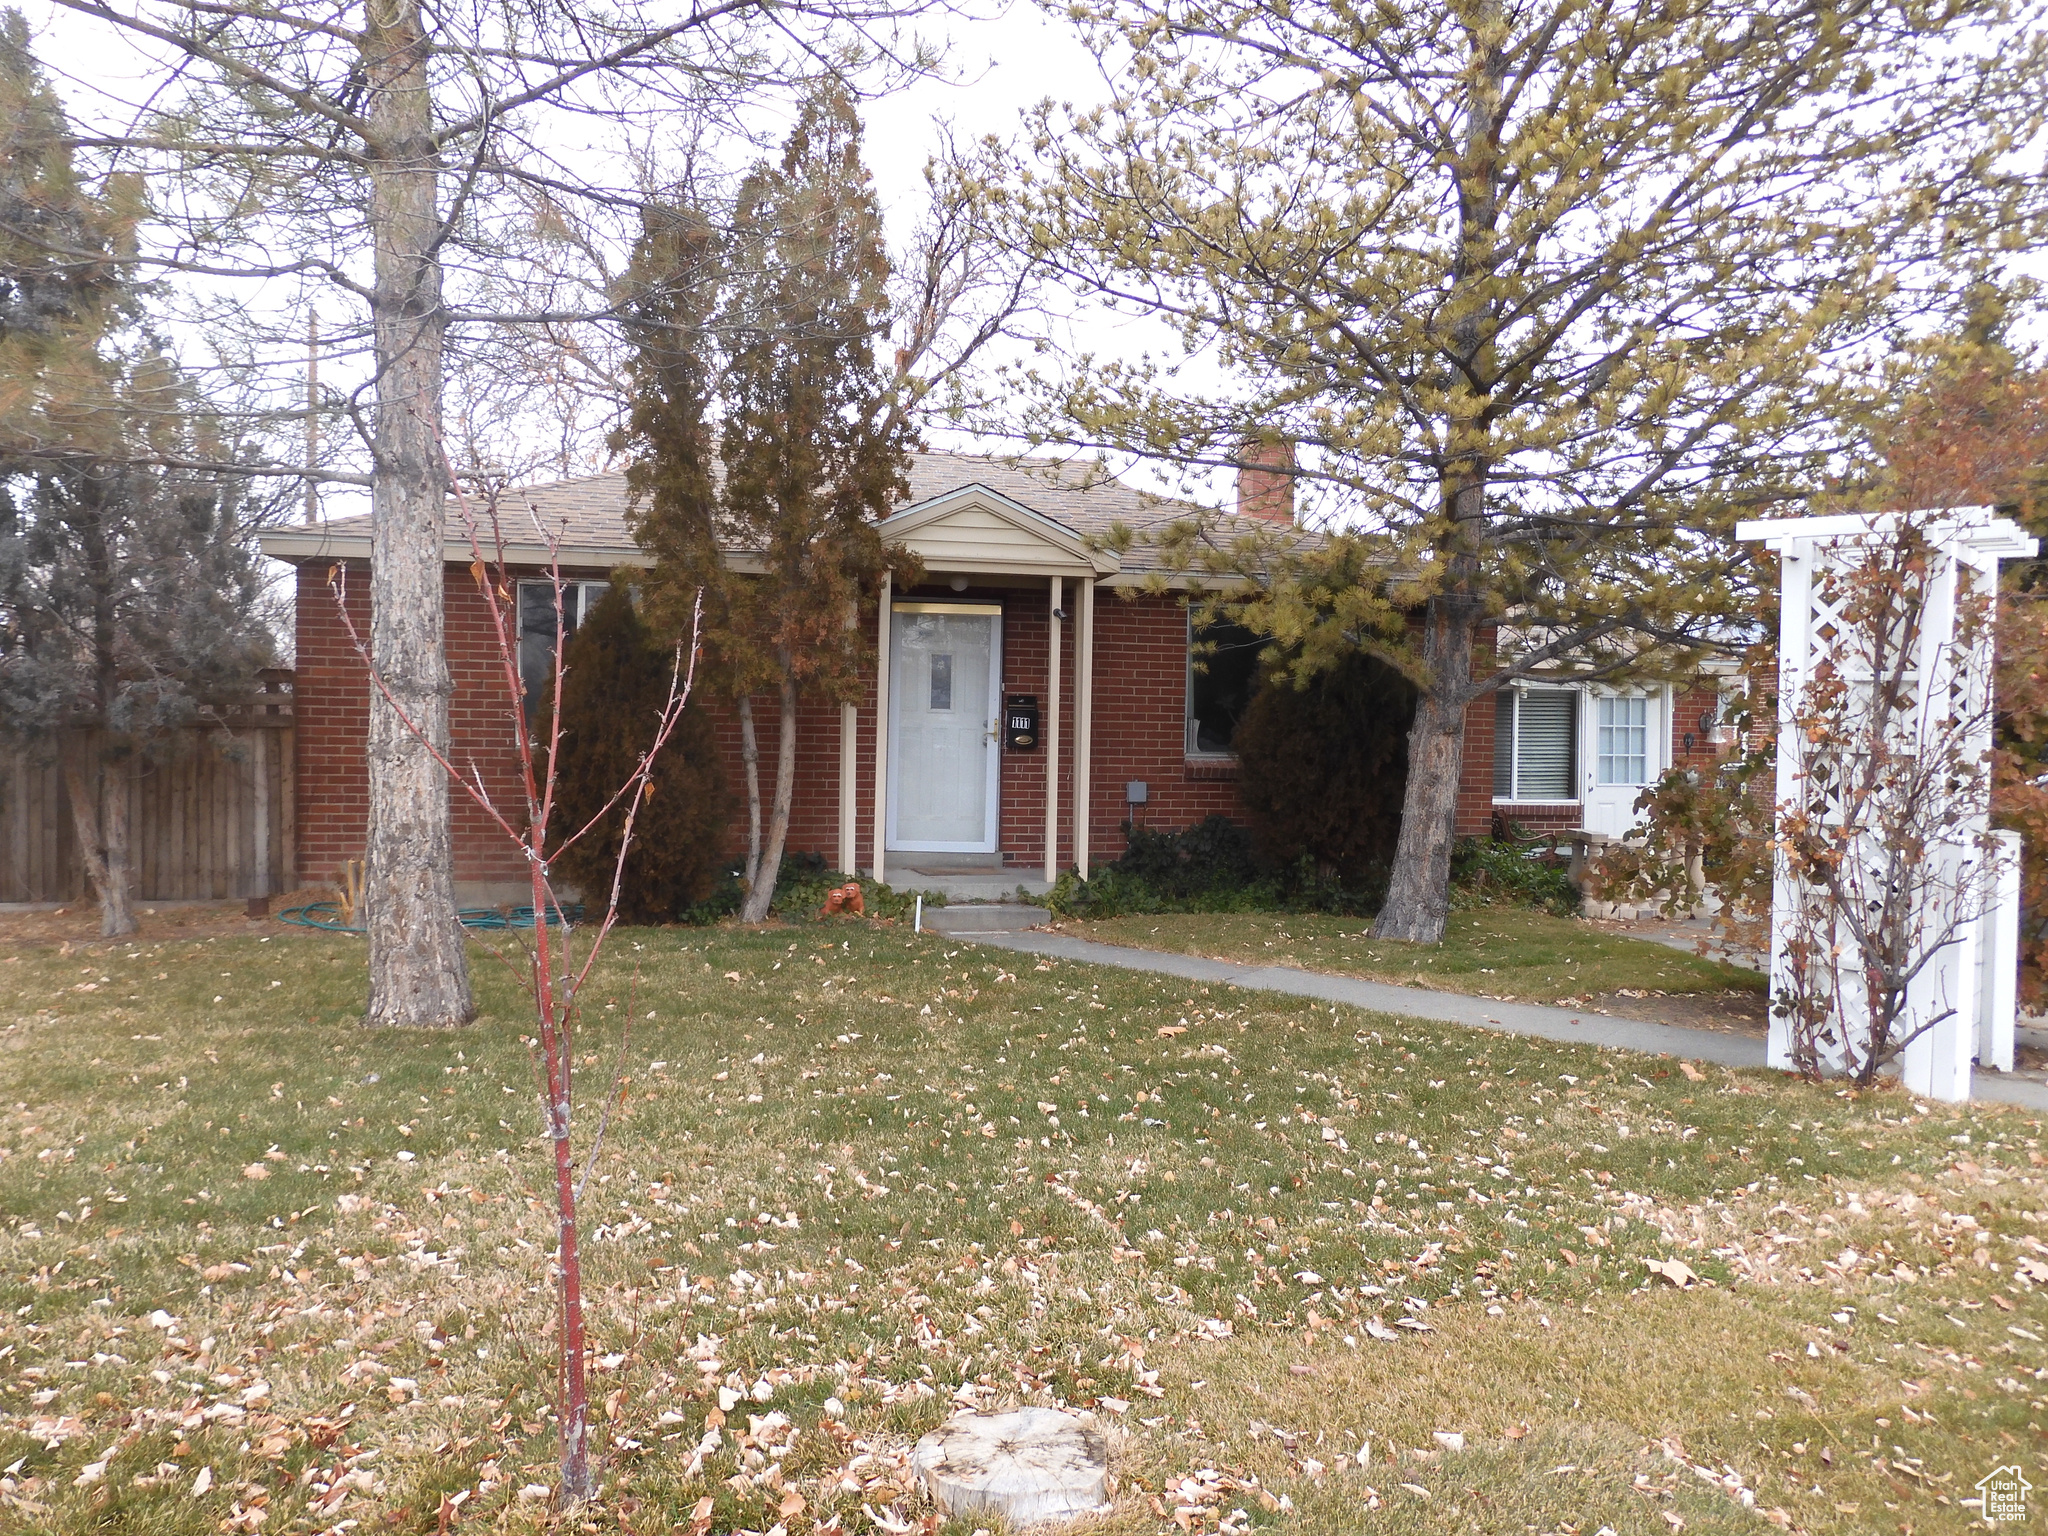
(1020, 722)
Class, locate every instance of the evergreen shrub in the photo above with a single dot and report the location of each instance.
(1323, 767)
(1497, 871)
(615, 680)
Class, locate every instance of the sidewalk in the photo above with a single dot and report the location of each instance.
(1454, 1008)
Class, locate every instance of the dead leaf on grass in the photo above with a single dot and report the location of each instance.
(1674, 1270)
(1692, 1073)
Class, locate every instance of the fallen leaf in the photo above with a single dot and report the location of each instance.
(1449, 1439)
(1693, 1073)
(1168, 1031)
(1674, 1270)
(256, 1171)
(1517, 1431)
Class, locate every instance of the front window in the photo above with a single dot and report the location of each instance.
(1534, 733)
(1622, 754)
(537, 628)
(1223, 671)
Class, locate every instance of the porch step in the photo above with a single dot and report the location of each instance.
(990, 917)
(967, 884)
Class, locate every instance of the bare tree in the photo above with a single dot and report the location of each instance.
(551, 971)
(386, 160)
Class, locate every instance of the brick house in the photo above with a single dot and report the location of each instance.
(1032, 696)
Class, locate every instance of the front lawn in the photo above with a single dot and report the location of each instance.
(1504, 952)
(264, 1271)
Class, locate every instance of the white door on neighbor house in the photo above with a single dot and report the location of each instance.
(1626, 732)
(943, 716)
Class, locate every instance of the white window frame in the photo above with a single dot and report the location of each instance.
(1612, 703)
(1517, 691)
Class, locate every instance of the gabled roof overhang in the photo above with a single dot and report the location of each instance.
(968, 531)
(975, 531)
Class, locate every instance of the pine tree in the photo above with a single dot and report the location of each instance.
(615, 681)
(128, 593)
(1549, 293)
(812, 450)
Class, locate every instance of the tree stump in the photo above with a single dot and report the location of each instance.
(1029, 1466)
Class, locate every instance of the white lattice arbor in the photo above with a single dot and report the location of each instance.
(1879, 703)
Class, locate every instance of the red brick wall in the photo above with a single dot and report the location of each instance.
(333, 779)
(1475, 769)
(1141, 662)
(1141, 681)
(1686, 708)
(331, 699)
(1140, 706)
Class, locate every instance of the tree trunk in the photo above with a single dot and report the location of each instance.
(419, 974)
(750, 758)
(1419, 889)
(100, 815)
(763, 891)
(557, 1048)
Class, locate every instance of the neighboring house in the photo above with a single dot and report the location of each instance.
(1032, 696)
(1568, 755)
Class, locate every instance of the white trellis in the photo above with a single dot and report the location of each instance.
(1967, 985)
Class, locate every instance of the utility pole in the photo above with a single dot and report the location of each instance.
(312, 414)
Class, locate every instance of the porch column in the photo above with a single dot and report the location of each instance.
(849, 802)
(1084, 716)
(1057, 588)
(883, 609)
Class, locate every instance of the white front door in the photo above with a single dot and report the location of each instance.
(1624, 751)
(943, 704)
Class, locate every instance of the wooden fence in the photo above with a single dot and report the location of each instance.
(211, 815)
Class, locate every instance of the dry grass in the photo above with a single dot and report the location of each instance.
(860, 1165)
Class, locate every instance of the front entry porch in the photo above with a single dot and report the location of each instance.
(1006, 610)
(967, 877)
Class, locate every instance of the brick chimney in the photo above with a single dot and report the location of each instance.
(1265, 482)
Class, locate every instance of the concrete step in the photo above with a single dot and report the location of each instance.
(989, 917)
(968, 885)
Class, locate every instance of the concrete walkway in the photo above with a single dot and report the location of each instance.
(1535, 1019)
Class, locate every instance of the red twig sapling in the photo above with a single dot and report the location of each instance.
(552, 974)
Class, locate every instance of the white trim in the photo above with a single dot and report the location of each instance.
(877, 871)
(1055, 597)
(1066, 553)
(1516, 691)
(849, 788)
(992, 814)
(1978, 531)
(1084, 719)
